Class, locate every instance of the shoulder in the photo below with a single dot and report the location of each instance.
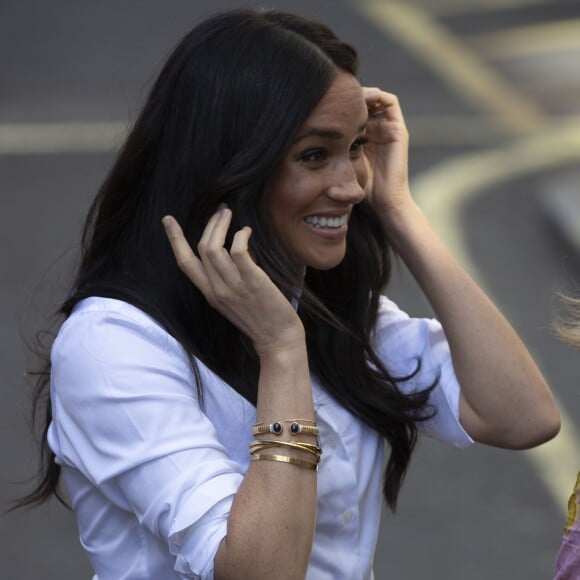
(105, 337)
(107, 311)
(103, 322)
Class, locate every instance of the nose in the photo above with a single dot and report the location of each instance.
(348, 184)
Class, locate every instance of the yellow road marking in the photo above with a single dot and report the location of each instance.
(454, 7)
(49, 138)
(530, 40)
(103, 137)
(456, 65)
(452, 130)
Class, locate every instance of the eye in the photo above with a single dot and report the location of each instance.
(313, 155)
(357, 147)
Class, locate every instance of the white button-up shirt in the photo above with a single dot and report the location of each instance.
(152, 475)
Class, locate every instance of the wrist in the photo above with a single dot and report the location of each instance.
(410, 234)
(288, 346)
(401, 218)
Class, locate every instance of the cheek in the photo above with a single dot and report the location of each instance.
(292, 194)
(362, 171)
(296, 193)
(277, 194)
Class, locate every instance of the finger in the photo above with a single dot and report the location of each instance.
(372, 94)
(216, 259)
(207, 233)
(220, 230)
(375, 104)
(240, 254)
(186, 260)
(383, 104)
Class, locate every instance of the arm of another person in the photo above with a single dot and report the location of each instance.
(271, 523)
(505, 400)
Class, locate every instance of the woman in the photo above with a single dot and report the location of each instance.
(568, 559)
(228, 420)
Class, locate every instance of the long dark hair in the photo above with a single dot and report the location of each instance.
(217, 123)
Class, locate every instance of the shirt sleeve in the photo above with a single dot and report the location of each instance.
(126, 415)
(406, 345)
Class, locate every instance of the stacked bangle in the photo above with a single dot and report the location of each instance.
(257, 446)
(261, 428)
(297, 426)
(286, 459)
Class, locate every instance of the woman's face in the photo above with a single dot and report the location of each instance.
(321, 178)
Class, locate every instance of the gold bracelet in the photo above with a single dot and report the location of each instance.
(286, 459)
(301, 421)
(261, 428)
(297, 428)
(296, 444)
(257, 446)
(277, 429)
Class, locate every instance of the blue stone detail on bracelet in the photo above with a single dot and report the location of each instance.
(296, 428)
(262, 428)
(276, 428)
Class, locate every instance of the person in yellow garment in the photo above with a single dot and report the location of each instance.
(228, 370)
(568, 559)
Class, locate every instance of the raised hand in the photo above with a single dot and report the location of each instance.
(234, 285)
(387, 152)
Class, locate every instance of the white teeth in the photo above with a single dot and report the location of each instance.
(325, 222)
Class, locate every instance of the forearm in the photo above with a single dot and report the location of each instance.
(271, 524)
(505, 399)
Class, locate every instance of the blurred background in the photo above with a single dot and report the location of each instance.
(491, 92)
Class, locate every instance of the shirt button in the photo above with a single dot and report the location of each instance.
(347, 517)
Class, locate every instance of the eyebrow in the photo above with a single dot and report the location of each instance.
(326, 133)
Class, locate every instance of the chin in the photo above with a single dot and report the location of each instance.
(325, 264)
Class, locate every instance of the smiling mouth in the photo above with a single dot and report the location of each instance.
(325, 222)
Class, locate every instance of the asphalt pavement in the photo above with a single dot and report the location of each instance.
(491, 93)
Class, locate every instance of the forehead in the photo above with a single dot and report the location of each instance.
(342, 105)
